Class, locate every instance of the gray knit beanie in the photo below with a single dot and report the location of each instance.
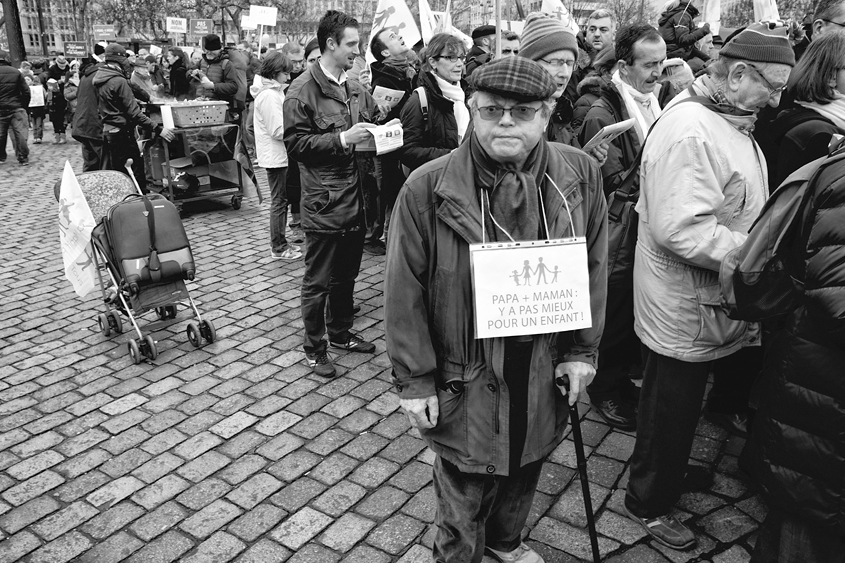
(544, 34)
(761, 42)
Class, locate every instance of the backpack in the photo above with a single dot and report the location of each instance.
(424, 108)
(762, 278)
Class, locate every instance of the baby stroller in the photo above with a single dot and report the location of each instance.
(141, 245)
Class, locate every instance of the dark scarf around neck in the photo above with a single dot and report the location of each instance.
(513, 194)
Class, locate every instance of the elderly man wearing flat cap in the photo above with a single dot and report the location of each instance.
(490, 408)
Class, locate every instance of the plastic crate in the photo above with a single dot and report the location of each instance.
(199, 113)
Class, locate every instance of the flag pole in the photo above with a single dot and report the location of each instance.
(498, 29)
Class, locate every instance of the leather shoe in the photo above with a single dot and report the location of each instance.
(734, 423)
(618, 414)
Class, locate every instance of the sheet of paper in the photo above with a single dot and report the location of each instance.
(155, 50)
(387, 138)
(608, 134)
(167, 117)
(384, 95)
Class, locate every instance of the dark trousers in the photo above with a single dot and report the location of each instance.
(117, 149)
(733, 378)
(278, 208)
(14, 121)
(619, 348)
(57, 118)
(332, 262)
(372, 202)
(474, 510)
(92, 151)
(784, 539)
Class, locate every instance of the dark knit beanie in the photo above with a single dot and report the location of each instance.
(99, 49)
(515, 78)
(544, 34)
(211, 42)
(760, 42)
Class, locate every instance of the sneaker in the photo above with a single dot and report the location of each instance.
(37, 141)
(665, 530)
(24, 163)
(522, 554)
(290, 252)
(321, 364)
(374, 248)
(296, 235)
(356, 344)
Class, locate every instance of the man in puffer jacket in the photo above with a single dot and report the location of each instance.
(219, 77)
(678, 30)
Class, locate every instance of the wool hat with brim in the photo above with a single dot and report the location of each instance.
(544, 34)
(61, 62)
(515, 78)
(483, 31)
(211, 42)
(761, 42)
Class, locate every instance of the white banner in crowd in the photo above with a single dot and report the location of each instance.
(712, 14)
(557, 9)
(247, 23)
(394, 14)
(263, 15)
(428, 23)
(75, 225)
(766, 10)
(177, 25)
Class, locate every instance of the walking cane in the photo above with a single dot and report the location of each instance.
(563, 381)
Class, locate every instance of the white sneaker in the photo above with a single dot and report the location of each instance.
(291, 252)
(522, 554)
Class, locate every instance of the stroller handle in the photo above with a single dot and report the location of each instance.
(128, 165)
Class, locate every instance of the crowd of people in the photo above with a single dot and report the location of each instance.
(491, 152)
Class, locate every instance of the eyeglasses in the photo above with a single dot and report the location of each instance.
(834, 23)
(452, 58)
(772, 90)
(495, 113)
(510, 51)
(557, 63)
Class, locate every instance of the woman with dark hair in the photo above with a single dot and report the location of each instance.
(312, 53)
(802, 133)
(179, 83)
(427, 137)
(270, 147)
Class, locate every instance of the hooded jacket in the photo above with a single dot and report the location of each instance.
(118, 108)
(589, 91)
(679, 32)
(429, 309)
(268, 122)
(86, 121)
(14, 93)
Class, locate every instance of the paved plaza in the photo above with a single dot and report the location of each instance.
(234, 451)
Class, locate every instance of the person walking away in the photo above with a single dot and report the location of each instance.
(803, 133)
(37, 105)
(121, 114)
(270, 148)
(692, 212)
(14, 101)
(325, 116)
(679, 31)
(490, 409)
(87, 124)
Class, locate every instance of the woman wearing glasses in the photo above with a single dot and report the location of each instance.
(439, 128)
(802, 133)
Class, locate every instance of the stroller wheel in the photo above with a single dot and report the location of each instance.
(134, 351)
(208, 332)
(193, 334)
(150, 350)
(115, 322)
(105, 327)
(170, 311)
(236, 202)
(161, 313)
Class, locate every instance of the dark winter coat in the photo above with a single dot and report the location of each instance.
(429, 310)
(86, 121)
(118, 108)
(179, 83)
(622, 151)
(317, 110)
(797, 448)
(229, 84)
(679, 32)
(560, 128)
(589, 91)
(799, 136)
(14, 93)
(388, 76)
(425, 141)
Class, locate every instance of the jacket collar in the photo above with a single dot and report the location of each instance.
(331, 89)
(460, 210)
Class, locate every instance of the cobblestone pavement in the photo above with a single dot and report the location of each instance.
(234, 451)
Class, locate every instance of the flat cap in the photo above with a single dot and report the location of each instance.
(483, 31)
(515, 78)
(115, 52)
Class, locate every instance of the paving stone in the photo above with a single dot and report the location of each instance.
(312, 553)
(264, 551)
(347, 531)
(393, 426)
(704, 544)
(163, 550)
(554, 478)
(161, 491)
(34, 465)
(163, 441)
(564, 454)
(382, 503)
(65, 520)
(754, 507)
(280, 446)
(339, 498)
(197, 445)
(115, 549)
(234, 424)
(158, 521)
(162, 421)
(257, 521)
(113, 519)
(242, 468)
(374, 472)
(205, 465)
(112, 493)
(37, 444)
(366, 554)
(412, 477)
(204, 493)
(243, 443)
(210, 519)
(297, 494)
(699, 503)
(125, 440)
(575, 541)
(395, 533)
(620, 528)
(61, 549)
(735, 554)
(125, 421)
(255, 490)
(570, 506)
(403, 449)
(423, 505)
(24, 515)
(728, 524)
(158, 467)
(728, 486)
(365, 446)
(299, 528)
(329, 441)
(81, 486)
(14, 548)
(639, 554)
(125, 462)
(32, 487)
(359, 421)
(219, 548)
(313, 425)
(124, 404)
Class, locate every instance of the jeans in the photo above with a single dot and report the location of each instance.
(16, 122)
(475, 510)
(117, 148)
(278, 208)
(37, 115)
(332, 262)
(783, 539)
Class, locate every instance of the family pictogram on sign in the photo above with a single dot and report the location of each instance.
(540, 271)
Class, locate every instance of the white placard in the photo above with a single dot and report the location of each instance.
(177, 25)
(167, 117)
(608, 133)
(155, 50)
(247, 23)
(263, 15)
(387, 137)
(384, 95)
(531, 287)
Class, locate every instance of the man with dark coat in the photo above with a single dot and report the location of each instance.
(14, 101)
(482, 38)
(121, 114)
(491, 409)
(219, 77)
(87, 125)
(326, 115)
(679, 31)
